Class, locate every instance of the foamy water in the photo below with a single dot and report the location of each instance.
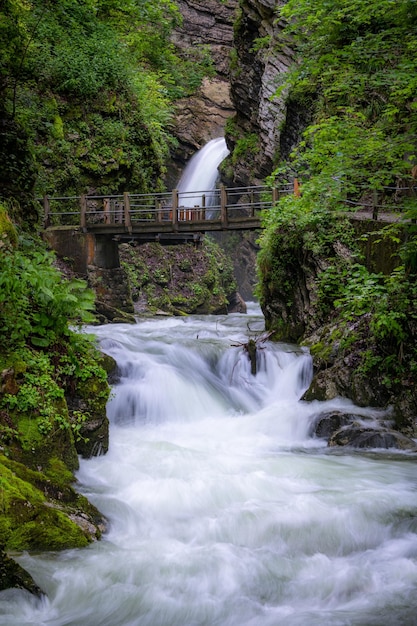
(223, 509)
(200, 176)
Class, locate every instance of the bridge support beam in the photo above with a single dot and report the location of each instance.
(105, 252)
(83, 249)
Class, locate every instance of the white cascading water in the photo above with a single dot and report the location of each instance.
(223, 509)
(201, 173)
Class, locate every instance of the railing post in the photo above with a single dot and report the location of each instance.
(374, 204)
(83, 212)
(175, 209)
(203, 207)
(252, 203)
(223, 206)
(275, 195)
(296, 188)
(106, 210)
(126, 204)
(158, 211)
(46, 212)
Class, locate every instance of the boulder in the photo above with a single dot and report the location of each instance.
(357, 436)
(327, 424)
(346, 429)
(12, 575)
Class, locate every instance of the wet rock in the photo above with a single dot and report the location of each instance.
(342, 379)
(327, 424)
(345, 429)
(236, 303)
(12, 575)
(113, 295)
(405, 411)
(357, 436)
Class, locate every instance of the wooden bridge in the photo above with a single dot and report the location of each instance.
(88, 229)
(167, 215)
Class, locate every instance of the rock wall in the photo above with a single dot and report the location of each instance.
(203, 116)
(251, 61)
(180, 279)
(260, 62)
(298, 302)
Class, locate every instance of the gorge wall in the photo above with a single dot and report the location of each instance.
(202, 116)
(262, 122)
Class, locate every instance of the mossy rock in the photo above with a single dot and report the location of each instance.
(48, 530)
(108, 363)
(89, 400)
(8, 234)
(181, 279)
(38, 514)
(12, 575)
(38, 448)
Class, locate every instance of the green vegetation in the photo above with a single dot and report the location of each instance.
(87, 90)
(246, 146)
(179, 279)
(36, 304)
(52, 384)
(357, 62)
(87, 93)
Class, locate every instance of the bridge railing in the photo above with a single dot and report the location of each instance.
(247, 201)
(61, 211)
(130, 209)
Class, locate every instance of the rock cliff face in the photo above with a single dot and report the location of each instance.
(203, 116)
(257, 70)
(208, 22)
(250, 60)
(299, 305)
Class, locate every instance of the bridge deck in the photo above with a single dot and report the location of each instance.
(184, 226)
(142, 215)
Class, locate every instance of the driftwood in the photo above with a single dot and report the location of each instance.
(251, 348)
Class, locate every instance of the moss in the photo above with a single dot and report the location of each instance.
(321, 350)
(38, 448)
(8, 234)
(30, 436)
(50, 530)
(58, 128)
(59, 473)
(108, 363)
(96, 392)
(179, 279)
(12, 575)
(36, 514)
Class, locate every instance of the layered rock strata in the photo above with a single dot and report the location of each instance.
(261, 60)
(203, 116)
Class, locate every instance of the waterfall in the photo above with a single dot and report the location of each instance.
(201, 173)
(223, 510)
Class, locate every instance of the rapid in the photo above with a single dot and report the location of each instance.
(223, 508)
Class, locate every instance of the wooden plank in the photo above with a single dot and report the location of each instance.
(175, 210)
(223, 205)
(126, 204)
(83, 212)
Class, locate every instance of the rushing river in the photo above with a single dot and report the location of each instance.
(223, 509)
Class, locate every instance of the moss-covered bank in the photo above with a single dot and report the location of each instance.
(361, 327)
(180, 279)
(53, 395)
